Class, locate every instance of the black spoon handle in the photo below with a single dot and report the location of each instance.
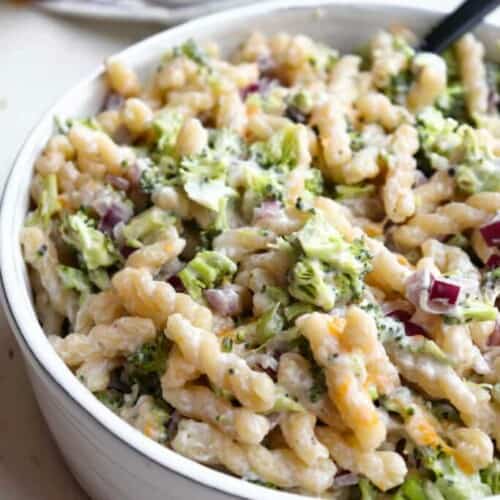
(463, 19)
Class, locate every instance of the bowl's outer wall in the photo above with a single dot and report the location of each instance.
(93, 441)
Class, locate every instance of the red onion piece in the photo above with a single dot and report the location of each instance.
(493, 262)
(113, 101)
(115, 214)
(491, 232)
(411, 329)
(269, 208)
(224, 301)
(432, 295)
(494, 338)
(126, 251)
(346, 479)
(444, 291)
(118, 182)
(266, 65)
(176, 282)
(402, 316)
(295, 114)
(261, 86)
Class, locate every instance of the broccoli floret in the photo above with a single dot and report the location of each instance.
(451, 481)
(314, 182)
(302, 100)
(349, 191)
(166, 126)
(112, 398)
(281, 150)
(95, 248)
(297, 309)
(146, 365)
(411, 489)
(452, 103)
(206, 270)
(48, 204)
(154, 176)
(366, 490)
(269, 324)
(226, 142)
(74, 279)
(100, 278)
(308, 283)
(398, 87)
(146, 226)
(204, 179)
(322, 241)
(491, 476)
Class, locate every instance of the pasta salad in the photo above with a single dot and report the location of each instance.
(286, 266)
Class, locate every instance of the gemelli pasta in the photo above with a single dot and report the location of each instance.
(286, 265)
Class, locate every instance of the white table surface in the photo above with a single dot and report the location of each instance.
(40, 58)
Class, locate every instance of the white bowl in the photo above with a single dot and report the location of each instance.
(109, 458)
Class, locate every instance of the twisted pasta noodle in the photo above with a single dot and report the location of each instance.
(298, 431)
(192, 138)
(121, 78)
(231, 112)
(96, 152)
(346, 377)
(449, 258)
(144, 417)
(121, 337)
(334, 138)
(385, 469)
(238, 243)
(387, 60)
(201, 403)
(294, 374)
(99, 308)
(143, 296)
(360, 333)
(344, 80)
(152, 257)
(397, 192)
(136, 115)
(451, 218)
(178, 371)
(95, 373)
(227, 371)
(481, 248)
(438, 189)
(40, 253)
(470, 53)
(430, 81)
(281, 467)
(173, 200)
(374, 107)
(175, 74)
(439, 380)
(473, 448)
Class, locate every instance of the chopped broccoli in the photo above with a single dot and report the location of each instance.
(293, 311)
(226, 142)
(49, 203)
(302, 100)
(314, 182)
(281, 150)
(147, 364)
(154, 176)
(366, 490)
(96, 249)
(100, 278)
(204, 179)
(146, 226)
(206, 270)
(322, 241)
(74, 279)
(491, 476)
(348, 191)
(112, 398)
(452, 103)
(166, 126)
(451, 481)
(308, 284)
(398, 87)
(269, 324)
(411, 489)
